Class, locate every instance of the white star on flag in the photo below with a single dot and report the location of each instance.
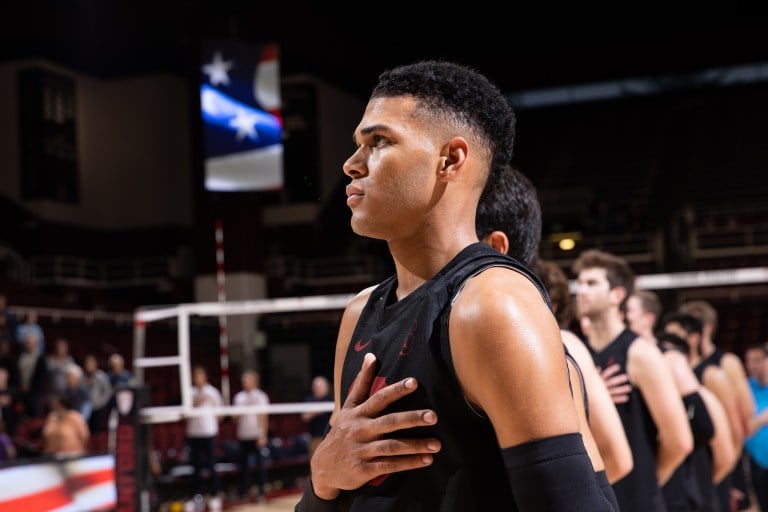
(217, 70)
(245, 122)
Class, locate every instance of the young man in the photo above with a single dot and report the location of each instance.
(703, 406)
(654, 418)
(739, 405)
(509, 220)
(252, 432)
(713, 454)
(713, 378)
(450, 383)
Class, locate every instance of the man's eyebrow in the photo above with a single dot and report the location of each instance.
(370, 129)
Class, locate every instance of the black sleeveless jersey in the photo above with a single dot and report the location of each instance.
(690, 488)
(410, 339)
(639, 491)
(723, 489)
(712, 359)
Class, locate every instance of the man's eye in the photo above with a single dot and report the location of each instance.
(377, 141)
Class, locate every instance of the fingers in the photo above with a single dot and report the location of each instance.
(401, 420)
(610, 371)
(620, 394)
(361, 386)
(375, 404)
(617, 383)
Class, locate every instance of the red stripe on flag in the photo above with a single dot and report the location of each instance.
(60, 495)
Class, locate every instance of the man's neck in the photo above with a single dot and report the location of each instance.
(605, 329)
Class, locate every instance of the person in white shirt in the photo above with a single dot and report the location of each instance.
(252, 432)
(201, 434)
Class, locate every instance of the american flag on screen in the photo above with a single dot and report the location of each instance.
(240, 106)
(73, 485)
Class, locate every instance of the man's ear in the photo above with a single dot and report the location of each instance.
(620, 293)
(498, 240)
(453, 156)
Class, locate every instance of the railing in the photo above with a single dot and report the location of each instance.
(75, 271)
(734, 240)
(325, 271)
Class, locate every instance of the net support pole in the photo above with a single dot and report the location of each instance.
(222, 297)
(139, 341)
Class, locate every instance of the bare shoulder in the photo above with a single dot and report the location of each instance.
(644, 351)
(505, 344)
(646, 363)
(498, 291)
(498, 319)
(576, 347)
(732, 364)
(352, 313)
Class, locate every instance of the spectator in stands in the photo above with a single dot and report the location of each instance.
(31, 326)
(201, 432)
(65, 431)
(33, 377)
(6, 327)
(75, 390)
(99, 391)
(118, 375)
(7, 448)
(8, 358)
(252, 432)
(58, 362)
(754, 356)
(8, 402)
(317, 422)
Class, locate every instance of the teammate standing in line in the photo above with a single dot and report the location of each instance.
(509, 220)
(735, 396)
(654, 418)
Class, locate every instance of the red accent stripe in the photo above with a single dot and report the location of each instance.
(59, 495)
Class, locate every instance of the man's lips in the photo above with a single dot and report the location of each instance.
(354, 195)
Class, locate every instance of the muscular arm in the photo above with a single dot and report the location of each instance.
(649, 372)
(724, 454)
(509, 358)
(604, 420)
(716, 380)
(734, 369)
(510, 362)
(721, 444)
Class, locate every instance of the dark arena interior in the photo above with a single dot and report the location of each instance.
(647, 141)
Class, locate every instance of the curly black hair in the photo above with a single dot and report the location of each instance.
(457, 92)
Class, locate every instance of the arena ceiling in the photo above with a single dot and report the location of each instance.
(349, 46)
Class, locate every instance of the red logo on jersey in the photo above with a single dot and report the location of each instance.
(359, 345)
(408, 343)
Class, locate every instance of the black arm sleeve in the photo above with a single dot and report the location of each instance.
(309, 502)
(554, 475)
(698, 416)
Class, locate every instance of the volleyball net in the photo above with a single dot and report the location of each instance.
(182, 314)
